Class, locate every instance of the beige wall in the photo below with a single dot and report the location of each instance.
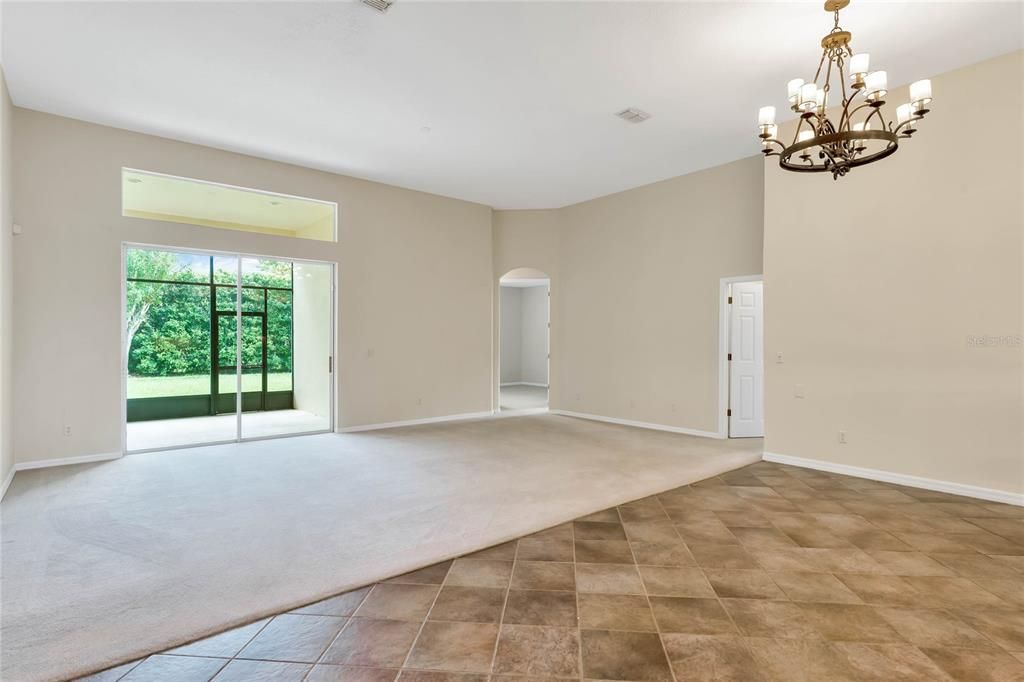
(405, 351)
(639, 294)
(6, 285)
(527, 239)
(634, 290)
(875, 284)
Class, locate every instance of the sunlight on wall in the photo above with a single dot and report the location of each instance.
(154, 196)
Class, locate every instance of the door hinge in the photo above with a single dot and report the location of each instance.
(728, 413)
(330, 364)
(730, 300)
(729, 357)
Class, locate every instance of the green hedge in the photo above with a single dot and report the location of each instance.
(174, 336)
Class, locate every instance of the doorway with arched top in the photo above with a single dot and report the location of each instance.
(524, 340)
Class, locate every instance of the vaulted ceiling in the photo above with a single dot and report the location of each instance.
(510, 104)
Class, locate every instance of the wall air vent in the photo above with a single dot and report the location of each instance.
(632, 115)
(379, 5)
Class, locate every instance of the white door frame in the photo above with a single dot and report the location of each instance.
(723, 347)
(332, 375)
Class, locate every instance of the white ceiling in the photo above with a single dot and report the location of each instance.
(518, 97)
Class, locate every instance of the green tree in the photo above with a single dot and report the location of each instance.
(168, 324)
(142, 296)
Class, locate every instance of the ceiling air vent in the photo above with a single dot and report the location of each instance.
(379, 5)
(630, 115)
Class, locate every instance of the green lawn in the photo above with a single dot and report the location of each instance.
(199, 384)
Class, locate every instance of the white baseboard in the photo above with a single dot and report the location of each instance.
(524, 383)
(415, 422)
(640, 425)
(7, 481)
(523, 412)
(56, 462)
(65, 461)
(978, 492)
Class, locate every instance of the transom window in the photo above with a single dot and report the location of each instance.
(155, 196)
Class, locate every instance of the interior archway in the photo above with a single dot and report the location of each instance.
(524, 345)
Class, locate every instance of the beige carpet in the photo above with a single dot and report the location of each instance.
(104, 563)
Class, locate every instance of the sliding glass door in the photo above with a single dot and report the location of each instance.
(290, 306)
(223, 347)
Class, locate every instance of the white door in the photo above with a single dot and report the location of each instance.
(746, 360)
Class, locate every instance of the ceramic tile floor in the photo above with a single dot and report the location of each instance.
(765, 573)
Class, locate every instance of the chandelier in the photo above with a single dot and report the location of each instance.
(820, 144)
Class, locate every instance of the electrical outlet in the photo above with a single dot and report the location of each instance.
(778, 358)
(842, 437)
(419, 401)
(67, 430)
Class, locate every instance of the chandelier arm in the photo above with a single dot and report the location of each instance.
(817, 123)
(858, 108)
(817, 73)
(825, 88)
(796, 132)
(814, 122)
(881, 119)
(842, 84)
(828, 76)
(845, 117)
(903, 125)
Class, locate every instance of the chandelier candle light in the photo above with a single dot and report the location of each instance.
(818, 143)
